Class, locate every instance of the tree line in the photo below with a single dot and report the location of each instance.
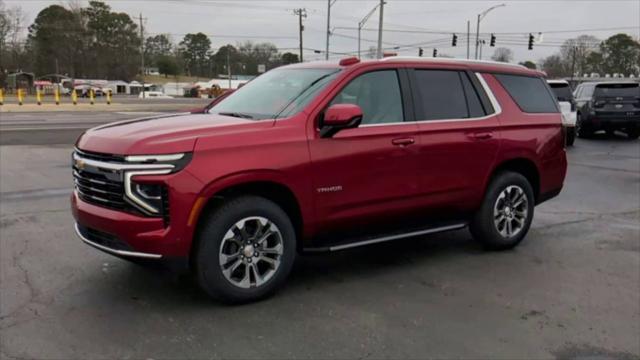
(97, 42)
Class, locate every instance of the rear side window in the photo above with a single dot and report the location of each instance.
(441, 95)
(530, 93)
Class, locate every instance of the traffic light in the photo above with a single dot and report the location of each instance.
(493, 40)
(454, 41)
(531, 41)
(435, 52)
(420, 52)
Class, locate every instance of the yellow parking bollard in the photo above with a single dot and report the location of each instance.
(91, 97)
(38, 96)
(74, 97)
(20, 97)
(56, 94)
(108, 97)
(1, 97)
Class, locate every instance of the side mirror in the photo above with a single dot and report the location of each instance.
(338, 117)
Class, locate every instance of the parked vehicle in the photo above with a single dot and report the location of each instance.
(567, 103)
(153, 95)
(608, 106)
(323, 157)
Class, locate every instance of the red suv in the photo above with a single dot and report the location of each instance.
(323, 157)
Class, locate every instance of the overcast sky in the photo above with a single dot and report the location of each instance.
(414, 22)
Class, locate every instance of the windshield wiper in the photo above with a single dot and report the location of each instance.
(236, 114)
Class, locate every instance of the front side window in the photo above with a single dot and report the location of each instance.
(277, 93)
(441, 95)
(530, 93)
(378, 95)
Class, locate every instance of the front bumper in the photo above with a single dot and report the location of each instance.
(137, 236)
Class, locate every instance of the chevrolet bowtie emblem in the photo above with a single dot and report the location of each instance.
(80, 164)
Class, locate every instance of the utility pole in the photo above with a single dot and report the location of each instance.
(468, 40)
(380, 29)
(302, 12)
(229, 67)
(362, 23)
(329, 5)
(142, 53)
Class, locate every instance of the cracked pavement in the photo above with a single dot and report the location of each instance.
(571, 290)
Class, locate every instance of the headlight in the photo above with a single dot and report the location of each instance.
(148, 197)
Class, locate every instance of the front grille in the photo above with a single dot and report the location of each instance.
(104, 186)
(99, 189)
(103, 238)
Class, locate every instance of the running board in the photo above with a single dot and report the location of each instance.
(377, 240)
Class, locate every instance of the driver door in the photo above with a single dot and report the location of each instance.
(367, 175)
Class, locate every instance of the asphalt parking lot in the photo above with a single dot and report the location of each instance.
(571, 290)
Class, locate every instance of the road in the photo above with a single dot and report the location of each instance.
(571, 290)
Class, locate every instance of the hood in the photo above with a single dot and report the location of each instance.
(164, 134)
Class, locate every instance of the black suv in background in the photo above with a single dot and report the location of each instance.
(608, 106)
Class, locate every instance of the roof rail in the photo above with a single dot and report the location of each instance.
(470, 61)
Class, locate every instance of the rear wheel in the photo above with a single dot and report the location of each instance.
(506, 213)
(246, 250)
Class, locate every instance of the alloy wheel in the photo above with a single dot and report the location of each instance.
(510, 211)
(250, 252)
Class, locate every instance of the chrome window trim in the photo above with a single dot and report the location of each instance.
(497, 109)
(114, 251)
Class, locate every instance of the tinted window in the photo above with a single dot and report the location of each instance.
(378, 95)
(562, 91)
(441, 95)
(473, 101)
(617, 90)
(530, 93)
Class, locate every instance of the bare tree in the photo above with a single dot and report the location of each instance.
(502, 54)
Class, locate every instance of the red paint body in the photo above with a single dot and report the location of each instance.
(385, 172)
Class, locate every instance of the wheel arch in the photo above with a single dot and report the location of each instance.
(524, 166)
(263, 184)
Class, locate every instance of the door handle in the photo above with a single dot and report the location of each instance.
(403, 141)
(481, 135)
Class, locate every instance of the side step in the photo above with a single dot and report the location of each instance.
(376, 240)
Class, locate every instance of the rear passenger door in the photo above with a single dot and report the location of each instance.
(458, 137)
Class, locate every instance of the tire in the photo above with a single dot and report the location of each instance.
(633, 134)
(221, 240)
(485, 226)
(571, 136)
(582, 131)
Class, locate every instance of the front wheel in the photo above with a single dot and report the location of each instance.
(506, 212)
(246, 250)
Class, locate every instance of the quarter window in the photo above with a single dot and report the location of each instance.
(378, 95)
(530, 93)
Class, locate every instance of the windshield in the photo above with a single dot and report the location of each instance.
(279, 92)
(562, 91)
(617, 90)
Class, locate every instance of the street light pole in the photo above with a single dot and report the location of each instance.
(362, 23)
(329, 5)
(480, 17)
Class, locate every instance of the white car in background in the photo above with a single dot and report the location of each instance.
(153, 95)
(564, 94)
